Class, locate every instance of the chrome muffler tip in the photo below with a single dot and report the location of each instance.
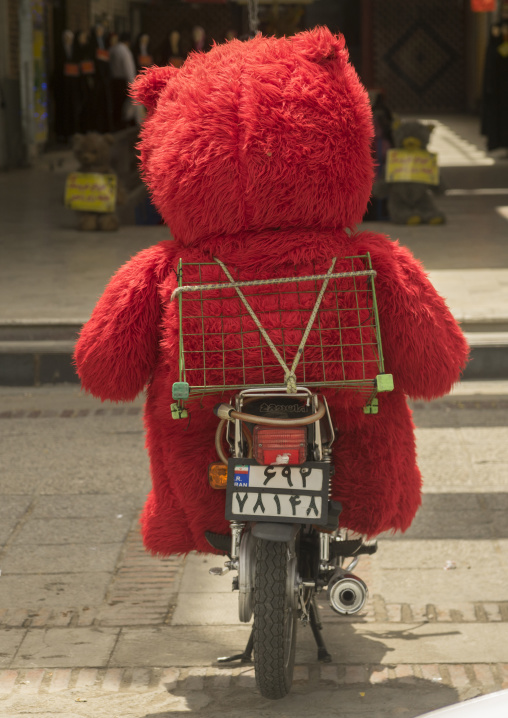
(347, 593)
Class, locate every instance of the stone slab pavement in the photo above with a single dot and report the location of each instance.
(92, 626)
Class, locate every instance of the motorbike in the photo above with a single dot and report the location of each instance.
(275, 449)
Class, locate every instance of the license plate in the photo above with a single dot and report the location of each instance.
(289, 494)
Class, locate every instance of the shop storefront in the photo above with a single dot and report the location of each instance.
(425, 55)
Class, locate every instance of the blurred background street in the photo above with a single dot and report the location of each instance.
(90, 625)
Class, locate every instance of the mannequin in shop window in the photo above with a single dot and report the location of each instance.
(66, 88)
(199, 39)
(142, 52)
(103, 114)
(176, 57)
(173, 50)
(85, 60)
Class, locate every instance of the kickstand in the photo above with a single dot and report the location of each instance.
(316, 626)
(245, 657)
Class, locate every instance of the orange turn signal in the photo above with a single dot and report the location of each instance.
(218, 476)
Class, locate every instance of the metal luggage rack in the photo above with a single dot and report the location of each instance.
(335, 314)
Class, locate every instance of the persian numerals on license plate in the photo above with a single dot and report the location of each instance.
(296, 494)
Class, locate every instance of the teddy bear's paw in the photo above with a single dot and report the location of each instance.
(414, 219)
(108, 223)
(439, 219)
(87, 222)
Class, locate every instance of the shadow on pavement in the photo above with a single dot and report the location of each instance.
(328, 691)
(396, 698)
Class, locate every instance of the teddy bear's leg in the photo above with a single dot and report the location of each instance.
(401, 209)
(163, 522)
(430, 212)
(415, 194)
(182, 506)
(108, 222)
(87, 221)
(377, 480)
(164, 527)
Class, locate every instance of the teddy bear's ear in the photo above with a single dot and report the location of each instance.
(320, 45)
(148, 85)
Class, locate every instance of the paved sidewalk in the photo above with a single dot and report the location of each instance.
(92, 626)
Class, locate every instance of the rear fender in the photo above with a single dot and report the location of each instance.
(283, 533)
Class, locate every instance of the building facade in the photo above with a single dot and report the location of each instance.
(425, 55)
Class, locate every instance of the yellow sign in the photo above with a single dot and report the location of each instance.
(90, 192)
(412, 166)
(503, 49)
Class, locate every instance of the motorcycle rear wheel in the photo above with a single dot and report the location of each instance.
(275, 621)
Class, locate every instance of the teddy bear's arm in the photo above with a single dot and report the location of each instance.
(423, 345)
(117, 347)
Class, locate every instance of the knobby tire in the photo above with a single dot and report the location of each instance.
(274, 621)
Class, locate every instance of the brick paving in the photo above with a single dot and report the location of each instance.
(133, 603)
(378, 611)
(482, 677)
(71, 413)
(140, 594)
(143, 589)
(448, 403)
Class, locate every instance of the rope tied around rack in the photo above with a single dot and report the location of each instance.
(290, 380)
(290, 374)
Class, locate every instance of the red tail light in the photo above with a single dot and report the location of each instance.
(274, 445)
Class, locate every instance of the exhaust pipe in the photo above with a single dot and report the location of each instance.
(347, 593)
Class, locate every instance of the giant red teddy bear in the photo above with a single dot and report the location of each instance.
(258, 153)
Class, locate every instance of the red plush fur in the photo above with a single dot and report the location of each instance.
(258, 153)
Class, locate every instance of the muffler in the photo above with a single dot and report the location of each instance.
(347, 593)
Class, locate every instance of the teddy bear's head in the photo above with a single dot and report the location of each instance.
(268, 133)
(93, 151)
(411, 134)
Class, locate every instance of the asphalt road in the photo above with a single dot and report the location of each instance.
(91, 626)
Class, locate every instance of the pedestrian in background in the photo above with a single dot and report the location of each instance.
(123, 71)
